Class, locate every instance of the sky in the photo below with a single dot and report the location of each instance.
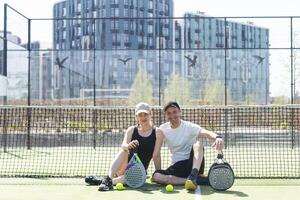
(43, 8)
(279, 29)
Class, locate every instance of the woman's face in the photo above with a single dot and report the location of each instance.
(143, 118)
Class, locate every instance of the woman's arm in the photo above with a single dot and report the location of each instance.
(156, 153)
(127, 143)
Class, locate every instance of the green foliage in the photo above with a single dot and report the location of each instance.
(214, 94)
(178, 89)
(84, 126)
(280, 100)
(142, 90)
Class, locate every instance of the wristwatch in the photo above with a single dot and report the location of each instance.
(218, 136)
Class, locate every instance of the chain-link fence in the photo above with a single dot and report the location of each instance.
(196, 59)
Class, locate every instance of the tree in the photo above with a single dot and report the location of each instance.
(211, 88)
(178, 89)
(214, 93)
(296, 67)
(142, 89)
(280, 100)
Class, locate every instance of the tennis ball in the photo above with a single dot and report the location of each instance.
(169, 188)
(120, 186)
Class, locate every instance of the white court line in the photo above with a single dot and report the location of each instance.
(198, 193)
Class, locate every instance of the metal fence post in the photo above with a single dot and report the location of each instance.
(29, 86)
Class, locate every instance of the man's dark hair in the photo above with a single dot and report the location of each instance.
(173, 104)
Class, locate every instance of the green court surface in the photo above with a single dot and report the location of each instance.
(75, 189)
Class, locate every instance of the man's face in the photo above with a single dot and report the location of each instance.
(172, 114)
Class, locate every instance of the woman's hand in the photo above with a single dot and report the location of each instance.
(133, 144)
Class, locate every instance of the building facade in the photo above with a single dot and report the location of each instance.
(120, 25)
(115, 38)
(237, 52)
(17, 70)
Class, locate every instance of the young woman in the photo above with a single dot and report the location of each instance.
(143, 137)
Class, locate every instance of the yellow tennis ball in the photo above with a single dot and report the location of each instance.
(120, 186)
(169, 188)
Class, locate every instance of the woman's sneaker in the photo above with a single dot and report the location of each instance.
(106, 184)
(94, 180)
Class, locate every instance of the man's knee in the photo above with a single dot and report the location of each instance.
(155, 177)
(160, 178)
(198, 147)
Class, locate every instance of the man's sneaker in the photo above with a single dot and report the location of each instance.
(106, 184)
(190, 183)
(202, 180)
(93, 180)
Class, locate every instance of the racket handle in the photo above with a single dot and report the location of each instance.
(134, 150)
(220, 154)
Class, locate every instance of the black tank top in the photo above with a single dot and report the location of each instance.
(146, 146)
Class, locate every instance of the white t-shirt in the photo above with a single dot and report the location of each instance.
(181, 139)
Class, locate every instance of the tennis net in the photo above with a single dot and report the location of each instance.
(260, 141)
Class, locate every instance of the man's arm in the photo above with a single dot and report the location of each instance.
(218, 141)
(156, 153)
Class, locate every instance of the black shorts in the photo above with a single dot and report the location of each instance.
(182, 168)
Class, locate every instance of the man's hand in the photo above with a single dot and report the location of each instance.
(218, 144)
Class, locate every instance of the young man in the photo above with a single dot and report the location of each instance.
(143, 137)
(186, 152)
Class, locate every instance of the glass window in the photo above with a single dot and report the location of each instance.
(114, 38)
(150, 4)
(234, 75)
(140, 39)
(64, 35)
(126, 12)
(117, 24)
(126, 27)
(166, 32)
(79, 7)
(126, 38)
(64, 11)
(150, 29)
(141, 27)
(219, 73)
(150, 41)
(79, 31)
(112, 12)
(114, 24)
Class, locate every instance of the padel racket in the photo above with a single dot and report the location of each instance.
(220, 175)
(135, 173)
